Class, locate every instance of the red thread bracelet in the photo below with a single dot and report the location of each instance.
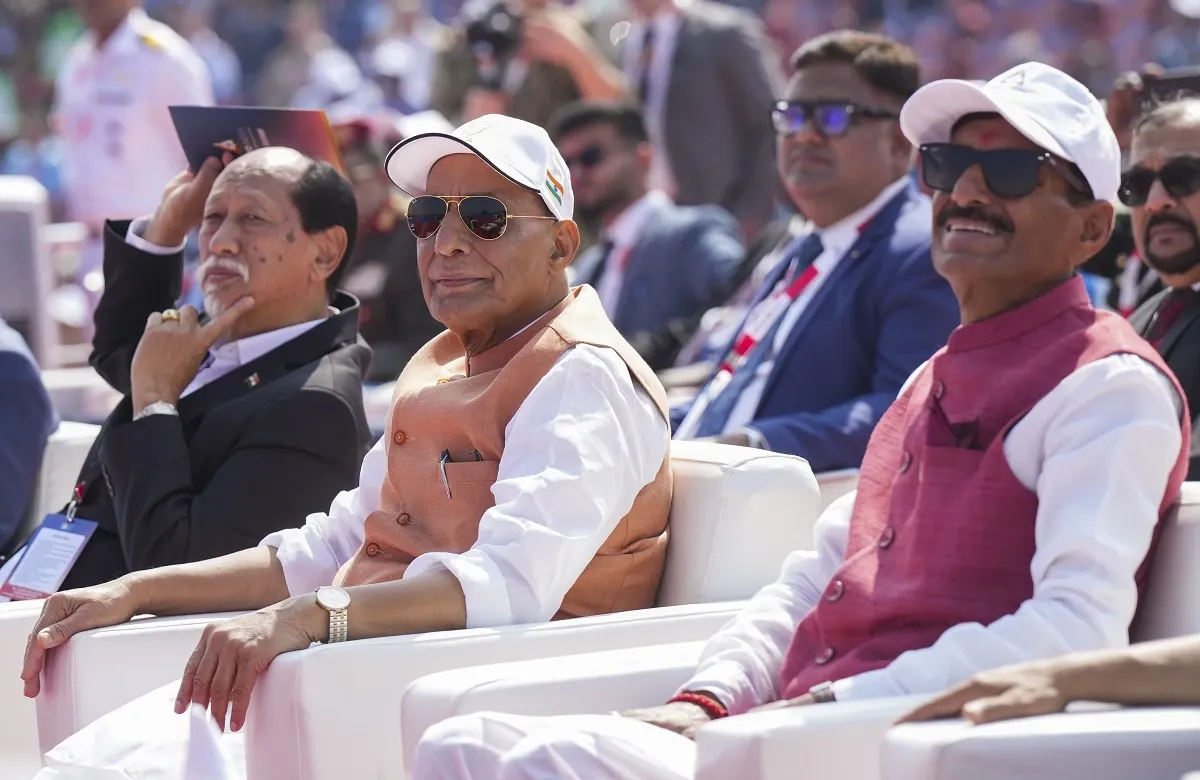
(713, 708)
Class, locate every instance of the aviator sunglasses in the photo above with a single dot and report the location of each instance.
(1009, 173)
(830, 118)
(1180, 177)
(483, 215)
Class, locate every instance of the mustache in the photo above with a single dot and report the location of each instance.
(975, 214)
(213, 263)
(1170, 218)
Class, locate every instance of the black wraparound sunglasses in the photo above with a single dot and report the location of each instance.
(485, 216)
(1009, 173)
(1180, 177)
(831, 118)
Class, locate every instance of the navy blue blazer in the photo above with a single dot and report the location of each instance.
(880, 314)
(27, 419)
(680, 266)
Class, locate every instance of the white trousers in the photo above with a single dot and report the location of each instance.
(496, 746)
(146, 740)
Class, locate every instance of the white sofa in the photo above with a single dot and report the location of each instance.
(840, 740)
(736, 514)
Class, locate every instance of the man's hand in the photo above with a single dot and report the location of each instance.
(171, 351)
(182, 205)
(68, 613)
(1017, 691)
(786, 704)
(232, 654)
(681, 717)
(1122, 103)
(481, 102)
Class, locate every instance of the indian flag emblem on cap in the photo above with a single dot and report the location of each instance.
(553, 186)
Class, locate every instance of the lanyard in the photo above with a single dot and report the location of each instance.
(763, 316)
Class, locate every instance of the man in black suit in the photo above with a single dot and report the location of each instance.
(1162, 189)
(244, 421)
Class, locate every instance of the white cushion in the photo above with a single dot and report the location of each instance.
(1143, 743)
(66, 450)
(98, 671)
(1171, 606)
(19, 754)
(736, 514)
(835, 484)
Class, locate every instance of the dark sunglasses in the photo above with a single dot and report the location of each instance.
(588, 158)
(1180, 178)
(831, 119)
(1009, 173)
(483, 215)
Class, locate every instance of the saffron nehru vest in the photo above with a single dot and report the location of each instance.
(942, 533)
(444, 401)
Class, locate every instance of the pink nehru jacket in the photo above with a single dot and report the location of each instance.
(942, 533)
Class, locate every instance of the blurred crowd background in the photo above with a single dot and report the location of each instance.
(363, 53)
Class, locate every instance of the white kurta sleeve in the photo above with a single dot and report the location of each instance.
(312, 554)
(741, 664)
(578, 450)
(1098, 450)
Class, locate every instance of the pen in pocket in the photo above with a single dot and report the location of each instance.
(442, 469)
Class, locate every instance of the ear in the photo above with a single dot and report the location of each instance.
(1097, 227)
(566, 245)
(901, 145)
(644, 153)
(331, 251)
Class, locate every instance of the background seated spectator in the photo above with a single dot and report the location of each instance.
(241, 425)
(656, 261)
(27, 419)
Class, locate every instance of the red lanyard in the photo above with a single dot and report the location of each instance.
(763, 316)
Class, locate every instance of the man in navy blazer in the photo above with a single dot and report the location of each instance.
(656, 262)
(853, 305)
(27, 419)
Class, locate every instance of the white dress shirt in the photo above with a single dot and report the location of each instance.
(624, 233)
(836, 241)
(578, 450)
(120, 146)
(226, 356)
(1097, 450)
(666, 25)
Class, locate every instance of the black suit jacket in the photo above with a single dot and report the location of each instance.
(1180, 347)
(251, 453)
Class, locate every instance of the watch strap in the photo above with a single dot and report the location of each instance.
(158, 407)
(339, 625)
(822, 693)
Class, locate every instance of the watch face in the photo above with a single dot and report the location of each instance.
(333, 598)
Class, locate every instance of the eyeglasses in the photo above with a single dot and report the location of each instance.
(1180, 178)
(1009, 173)
(483, 215)
(831, 119)
(588, 158)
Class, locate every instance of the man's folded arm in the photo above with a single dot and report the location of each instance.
(1108, 450)
(292, 456)
(741, 664)
(140, 278)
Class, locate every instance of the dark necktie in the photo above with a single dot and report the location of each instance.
(716, 416)
(647, 63)
(605, 249)
(1173, 305)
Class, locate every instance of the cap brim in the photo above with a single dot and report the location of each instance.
(931, 113)
(409, 162)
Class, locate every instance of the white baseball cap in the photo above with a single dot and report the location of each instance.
(1044, 104)
(521, 152)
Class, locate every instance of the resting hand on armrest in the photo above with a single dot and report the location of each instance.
(1155, 673)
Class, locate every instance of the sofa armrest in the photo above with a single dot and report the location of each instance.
(19, 754)
(835, 484)
(98, 671)
(586, 684)
(838, 740)
(354, 689)
(1090, 741)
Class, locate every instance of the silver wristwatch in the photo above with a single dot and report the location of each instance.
(336, 602)
(158, 407)
(822, 693)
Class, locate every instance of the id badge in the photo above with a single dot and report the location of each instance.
(48, 558)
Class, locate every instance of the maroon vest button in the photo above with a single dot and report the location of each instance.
(887, 537)
(836, 591)
(399, 437)
(826, 656)
(404, 518)
(372, 549)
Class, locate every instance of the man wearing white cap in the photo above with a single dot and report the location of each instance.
(524, 474)
(1008, 500)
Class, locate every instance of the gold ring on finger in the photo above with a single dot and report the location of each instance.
(171, 315)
